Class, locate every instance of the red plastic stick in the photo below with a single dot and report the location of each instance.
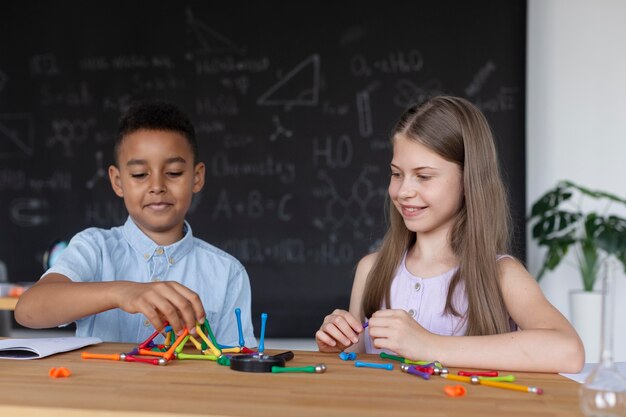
(473, 373)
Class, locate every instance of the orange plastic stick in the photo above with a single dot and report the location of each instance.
(170, 352)
(111, 356)
(148, 352)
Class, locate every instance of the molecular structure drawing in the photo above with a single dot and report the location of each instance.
(350, 211)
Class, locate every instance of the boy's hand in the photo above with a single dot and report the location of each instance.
(160, 301)
(339, 330)
(397, 331)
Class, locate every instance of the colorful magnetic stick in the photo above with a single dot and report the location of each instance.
(146, 343)
(153, 361)
(235, 349)
(411, 369)
(111, 357)
(185, 356)
(242, 342)
(195, 343)
(478, 373)
(180, 347)
(505, 385)
(367, 323)
(426, 369)
(317, 369)
(247, 350)
(262, 340)
(503, 378)
(148, 352)
(384, 355)
(211, 346)
(209, 332)
(168, 355)
(347, 356)
(361, 364)
(168, 336)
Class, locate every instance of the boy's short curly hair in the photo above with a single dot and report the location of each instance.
(155, 115)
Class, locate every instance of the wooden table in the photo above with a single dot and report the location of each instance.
(188, 388)
(8, 303)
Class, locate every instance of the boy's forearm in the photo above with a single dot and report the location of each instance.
(52, 304)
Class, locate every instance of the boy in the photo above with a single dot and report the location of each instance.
(151, 265)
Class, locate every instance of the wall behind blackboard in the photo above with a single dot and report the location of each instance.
(293, 104)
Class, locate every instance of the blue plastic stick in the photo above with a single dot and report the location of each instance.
(261, 343)
(347, 356)
(360, 364)
(242, 342)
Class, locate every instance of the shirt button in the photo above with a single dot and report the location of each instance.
(159, 251)
(412, 312)
(156, 279)
(146, 256)
(418, 286)
(171, 261)
(147, 323)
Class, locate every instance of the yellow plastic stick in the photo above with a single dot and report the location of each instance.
(214, 349)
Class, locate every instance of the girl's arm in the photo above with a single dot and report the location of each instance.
(545, 341)
(56, 300)
(341, 329)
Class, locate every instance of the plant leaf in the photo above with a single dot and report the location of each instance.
(612, 235)
(549, 201)
(595, 194)
(552, 224)
(589, 263)
(557, 249)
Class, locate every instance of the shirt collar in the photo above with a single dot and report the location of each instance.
(147, 248)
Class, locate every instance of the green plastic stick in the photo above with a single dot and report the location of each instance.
(280, 369)
(315, 369)
(210, 332)
(392, 357)
(504, 378)
(182, 355)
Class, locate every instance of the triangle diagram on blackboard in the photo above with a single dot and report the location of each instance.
(300, 87)
(16, 135)
(211, 41)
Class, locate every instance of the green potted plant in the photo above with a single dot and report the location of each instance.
(560, 222)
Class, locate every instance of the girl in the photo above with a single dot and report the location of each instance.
(441, 286)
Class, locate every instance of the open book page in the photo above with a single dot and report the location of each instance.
(589, 367)
(42, 347)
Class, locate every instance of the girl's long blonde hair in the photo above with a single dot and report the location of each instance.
(457, 131)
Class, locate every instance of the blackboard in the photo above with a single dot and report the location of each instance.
(293, 104)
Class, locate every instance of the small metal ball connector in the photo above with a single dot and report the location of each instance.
(122, 356)
(320, 368)
(475, 380)
(440, 371)
(162, 361)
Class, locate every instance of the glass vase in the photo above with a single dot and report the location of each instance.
(604, 392)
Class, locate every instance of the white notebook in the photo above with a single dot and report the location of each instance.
(42, 347)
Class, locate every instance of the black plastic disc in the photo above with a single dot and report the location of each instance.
(257, 363)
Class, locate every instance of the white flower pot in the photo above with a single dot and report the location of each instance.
(586, 314)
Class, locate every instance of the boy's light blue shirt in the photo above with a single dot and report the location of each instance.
(125, 253)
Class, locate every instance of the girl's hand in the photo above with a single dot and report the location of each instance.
(339, 330)
(161, 301)
(397, 331)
